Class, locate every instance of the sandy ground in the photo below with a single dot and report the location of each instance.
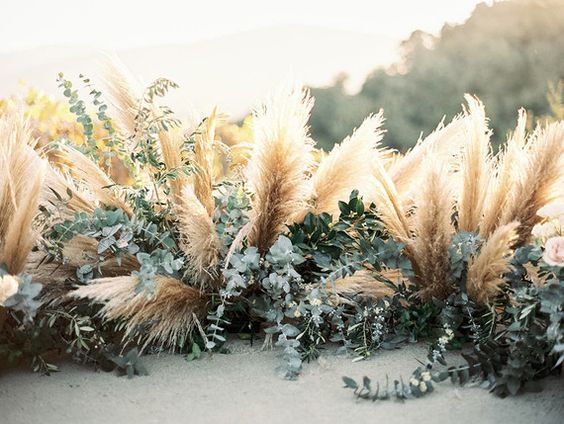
(242, 387)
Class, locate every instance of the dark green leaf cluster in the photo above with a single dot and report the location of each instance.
(291, 288)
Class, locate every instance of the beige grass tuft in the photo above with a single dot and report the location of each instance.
(78, 201)
(123, 92)
(82, 168)
(363, 283)
(485, 271)
(433, 232)
(388, 203)
(204, 161)
(21, 178)
(281, 159)
(509, 164)
(199, 240)
(20, 236)
(540, 179)
(476, 167)
(171, 150)
(83, 249)
(169, 311)
(346, 167)
(443, 144)
(47, 273)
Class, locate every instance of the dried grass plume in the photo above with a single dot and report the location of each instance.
(433, 231)
(170, 309)
(476, 168)
(281, 159)
(199, 240)
(346, 167)
(485, 271)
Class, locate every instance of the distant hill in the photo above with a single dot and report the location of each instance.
(506, 52)
(233, 71)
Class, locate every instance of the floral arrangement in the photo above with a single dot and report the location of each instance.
(360, 247)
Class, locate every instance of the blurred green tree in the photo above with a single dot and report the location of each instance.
(506, 54)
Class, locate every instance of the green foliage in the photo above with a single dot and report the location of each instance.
(195, 353)
(78, 108)
(118, 236)
(129, 364)
(357, 239)
(512, 346)
(58, 329)
(506, 54)
(290, 288)
(230, 214)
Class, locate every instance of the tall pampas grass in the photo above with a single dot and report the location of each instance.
(346, 167)
(123, 92)
(170, 310)
(48, 273)
(476, 167)
(433, 231)
(82, 249)
(171, 151)
(508, 165)
(98, 182)
(281, 159)
(58, 186)
(15, 135)
(363, 283)
(444, 145)
(21, 175)
(204, 161)
(198, 237)
(388, 203)
(485, 271)
(540, 181)
(20, 236)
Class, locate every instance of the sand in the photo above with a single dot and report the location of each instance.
(242, 387)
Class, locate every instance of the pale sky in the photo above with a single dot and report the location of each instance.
(117, 23)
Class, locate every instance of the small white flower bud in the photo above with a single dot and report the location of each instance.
(423, 387)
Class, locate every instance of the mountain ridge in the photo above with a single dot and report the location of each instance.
(234, 71)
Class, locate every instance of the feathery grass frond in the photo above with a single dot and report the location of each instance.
(485, 271)
(362, 283)
(57, 183)
(433, 231)
(45, 272)
(508, 166)
(388, 204)
(169, 311)
(277, 170)
(171, 150)
(476, 166)
(123, 92)
(20, 236)
(15, 135)
(444, 144)
(78, 251)
(204, 161)
(82, 249)
(540, 180)
(85, 170)
(198, 237)
(346, 167)
(21, 178)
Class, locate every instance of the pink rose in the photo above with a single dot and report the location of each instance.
(554, 251)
